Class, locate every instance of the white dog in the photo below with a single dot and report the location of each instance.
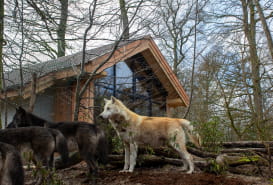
(134, 130)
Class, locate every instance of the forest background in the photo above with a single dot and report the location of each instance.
(221, 50)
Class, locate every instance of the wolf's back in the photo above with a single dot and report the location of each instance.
(24, 135)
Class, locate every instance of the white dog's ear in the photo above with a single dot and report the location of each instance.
(106, 100)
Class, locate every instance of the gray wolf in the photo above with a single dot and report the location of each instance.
(136, 130)
(11, 167)
(37, 139)
(90, 138)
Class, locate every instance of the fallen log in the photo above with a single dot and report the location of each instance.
(161, 156)
(169, 152)
(223, 160)
(145, 160)
(221, 163)
(201, 153)
(160, 151)
(246, 144)
(233, 161)
(164, 155)
(148, 160)
(245, 150)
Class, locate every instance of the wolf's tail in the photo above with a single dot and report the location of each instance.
(192, 134)
(102, 147)
(61, 144)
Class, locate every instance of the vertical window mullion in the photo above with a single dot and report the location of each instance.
(134, 81)
(114, 80)
(150, 103)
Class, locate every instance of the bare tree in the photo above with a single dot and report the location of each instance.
(78, 95)
(244, 81)
(265, 27)
(80, 90)
(249, 27)
(174, 25)
(2, 41)
(47, 19)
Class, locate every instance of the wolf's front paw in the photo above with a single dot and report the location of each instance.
(131, 170)
(123, 171)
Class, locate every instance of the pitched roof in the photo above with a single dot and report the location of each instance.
(12, 78)
(66, 66)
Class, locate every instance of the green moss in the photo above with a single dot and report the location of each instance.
(249, 159)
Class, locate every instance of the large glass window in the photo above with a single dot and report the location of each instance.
(133, 83)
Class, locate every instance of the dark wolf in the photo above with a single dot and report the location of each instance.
(38, 139)
(90, 138)
(11, 167)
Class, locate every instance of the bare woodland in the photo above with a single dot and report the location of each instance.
(221, 51)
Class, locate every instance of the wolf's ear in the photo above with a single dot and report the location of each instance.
(113, 99)
(105, 100)
(20, 109)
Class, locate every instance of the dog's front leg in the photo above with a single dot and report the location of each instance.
(133, 156)
(126, 157)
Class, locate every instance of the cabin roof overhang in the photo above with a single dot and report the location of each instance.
(146, 47)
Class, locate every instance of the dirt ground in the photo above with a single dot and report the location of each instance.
(168, 175)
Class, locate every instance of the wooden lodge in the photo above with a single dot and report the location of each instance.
(137, 73)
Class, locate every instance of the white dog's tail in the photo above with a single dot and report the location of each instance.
(192, 134)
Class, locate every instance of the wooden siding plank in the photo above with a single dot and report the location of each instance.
(63, 104)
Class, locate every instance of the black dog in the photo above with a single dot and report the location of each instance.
(91, 140)
(11, 167)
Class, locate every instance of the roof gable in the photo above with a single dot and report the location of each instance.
(66, 66)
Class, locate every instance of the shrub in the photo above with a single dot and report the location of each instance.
(212, 134)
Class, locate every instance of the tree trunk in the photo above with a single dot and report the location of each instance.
(250, 32)
(1, 46)
(265, 27)
(124, 20)
(62, 28)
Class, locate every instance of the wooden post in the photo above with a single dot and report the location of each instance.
(33, 92)
(168, 110)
